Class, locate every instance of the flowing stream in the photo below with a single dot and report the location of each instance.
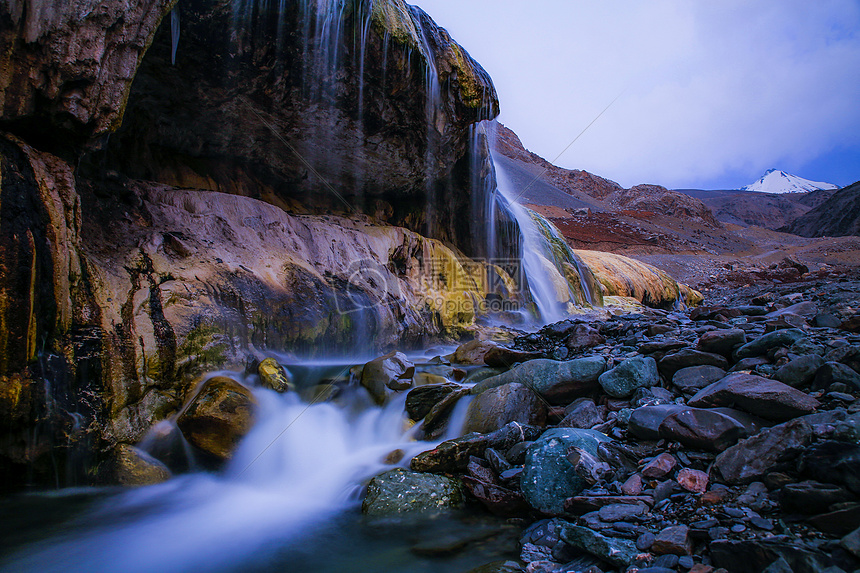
(290, 494)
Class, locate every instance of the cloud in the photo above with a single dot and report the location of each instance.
(712, 91)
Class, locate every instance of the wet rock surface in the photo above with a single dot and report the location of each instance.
(739, 453)
(220, 415)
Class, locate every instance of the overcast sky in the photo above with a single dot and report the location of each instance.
(712, 94)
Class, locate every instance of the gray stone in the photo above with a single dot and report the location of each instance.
(548, 477)
(848, 355)
(503, 357)
(499, 406)
(401, 491)
(633, 373)
(702, 429)
(674, 540)
(620, 512)
(807, 346)
(619, 552)
(756, 555)
(769, 399)
(750, 459)
(583, 336)
(582, 413)
(645, 541)
(835, 372)
(421, 400)
(391, 371)
(693, 378)
(799, 371)
(851, 542)
(761, 345)
(749, 363)
(645, 422)
(826, 320)
(687, 357)
(721, 341)
(453, 455)
(557, 382)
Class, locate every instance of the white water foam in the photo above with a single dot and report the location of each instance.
(300, 465)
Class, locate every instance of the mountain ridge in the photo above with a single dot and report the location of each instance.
(779, 182)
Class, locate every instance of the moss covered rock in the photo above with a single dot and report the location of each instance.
(404, 491)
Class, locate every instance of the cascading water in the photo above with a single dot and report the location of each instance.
(543, 253)
(547, 291)
(300, 467)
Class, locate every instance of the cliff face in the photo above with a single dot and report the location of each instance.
(334, 106)
(66, 68)
(133, 258)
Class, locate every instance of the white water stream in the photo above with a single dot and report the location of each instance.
(300, 466)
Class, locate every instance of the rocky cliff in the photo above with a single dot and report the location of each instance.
(158, 220)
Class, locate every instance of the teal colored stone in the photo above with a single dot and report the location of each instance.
(402, 491)
(548, 478)
(557, 382)
(633, 373)
(759, 346)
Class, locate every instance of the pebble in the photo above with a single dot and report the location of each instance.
(645, 541)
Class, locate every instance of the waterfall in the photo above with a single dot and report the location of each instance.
(548, 288)
(553, 276)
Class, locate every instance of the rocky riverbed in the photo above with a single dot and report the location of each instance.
(722, 438)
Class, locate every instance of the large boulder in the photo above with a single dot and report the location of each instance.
(769, 399)
(548, 477)
(752, 458)
(499, 406)
(633, 373)
(557, 382)
(761, 345)
(702, 429)
(392, 371)
(218, 417)
(403, 491)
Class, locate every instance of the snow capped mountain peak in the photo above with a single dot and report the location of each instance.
(774, 181)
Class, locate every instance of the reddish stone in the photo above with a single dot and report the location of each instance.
(633, 485)
(673, 540)
(714, 497)
(660, 467)
(693, 480)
